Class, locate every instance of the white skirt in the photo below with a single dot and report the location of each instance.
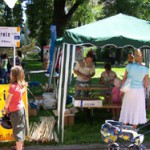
(133, 109)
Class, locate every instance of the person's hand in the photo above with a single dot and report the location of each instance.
(6, 110)
(121, 94)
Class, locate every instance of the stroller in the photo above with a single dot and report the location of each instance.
(114, 132)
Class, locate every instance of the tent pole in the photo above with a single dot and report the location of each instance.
(14, 55)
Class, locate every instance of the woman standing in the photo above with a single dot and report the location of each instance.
(14, 105)
(133, 108)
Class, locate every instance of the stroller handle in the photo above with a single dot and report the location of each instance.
(112, 123)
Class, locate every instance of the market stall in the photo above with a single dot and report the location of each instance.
(119, 30)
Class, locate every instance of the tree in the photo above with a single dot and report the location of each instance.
(137, 8)
(2, 7)
(39, 17)
(11, 17)
(83, 15)
(62, 13)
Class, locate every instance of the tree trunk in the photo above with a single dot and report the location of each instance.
(60, 17)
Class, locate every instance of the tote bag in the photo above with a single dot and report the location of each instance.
(126, 86)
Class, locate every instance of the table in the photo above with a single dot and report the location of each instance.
(101, 88)
(91, 90)
(105, 106)
(95, 87)
(98, 87)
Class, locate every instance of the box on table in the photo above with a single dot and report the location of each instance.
(32, 112)
(88, 103)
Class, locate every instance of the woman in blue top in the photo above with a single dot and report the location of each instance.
(133, 106)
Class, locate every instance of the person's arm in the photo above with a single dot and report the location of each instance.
(123, 81)
(80, 74)
(7, 102)
(92, 71)
(146, 81)
(114, 75)
(124, 77)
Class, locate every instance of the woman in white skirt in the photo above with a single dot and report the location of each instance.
(133, 109)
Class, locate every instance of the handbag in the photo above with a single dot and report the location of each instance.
(5, 121)
(126, 86)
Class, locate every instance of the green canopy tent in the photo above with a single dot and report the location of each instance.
(119, 30)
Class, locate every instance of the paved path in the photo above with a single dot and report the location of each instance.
(71, 147)
(68, 147)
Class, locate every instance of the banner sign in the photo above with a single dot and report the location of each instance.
(52, 46)
(9, 36)
(7, 134)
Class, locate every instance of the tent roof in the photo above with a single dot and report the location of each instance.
(119, 30)
(59, 41)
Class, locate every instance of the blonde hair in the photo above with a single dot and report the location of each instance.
(17, 76)
(138, 56)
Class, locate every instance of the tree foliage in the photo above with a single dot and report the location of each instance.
(63, 12)
(39, 16)
(11, 17)
(137, 8)
(2, 6)
(68, 14)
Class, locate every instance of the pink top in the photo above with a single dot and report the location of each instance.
(16, 102)
(116, 95)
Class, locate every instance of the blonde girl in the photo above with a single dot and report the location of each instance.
(14, 105)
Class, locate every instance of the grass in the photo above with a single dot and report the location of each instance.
(82, 131)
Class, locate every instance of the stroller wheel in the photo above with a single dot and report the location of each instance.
(113, 146)
(136, 147)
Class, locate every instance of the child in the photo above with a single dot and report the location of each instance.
(14, 105)
(116, 99)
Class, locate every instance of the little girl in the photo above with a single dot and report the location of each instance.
(116, 99)
(14, 105)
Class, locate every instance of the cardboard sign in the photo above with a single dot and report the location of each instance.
(9, 36)
(88, 103)
(7, 134)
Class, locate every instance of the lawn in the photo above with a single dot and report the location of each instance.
(82, 131)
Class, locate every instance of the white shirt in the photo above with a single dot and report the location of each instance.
(84, 68)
